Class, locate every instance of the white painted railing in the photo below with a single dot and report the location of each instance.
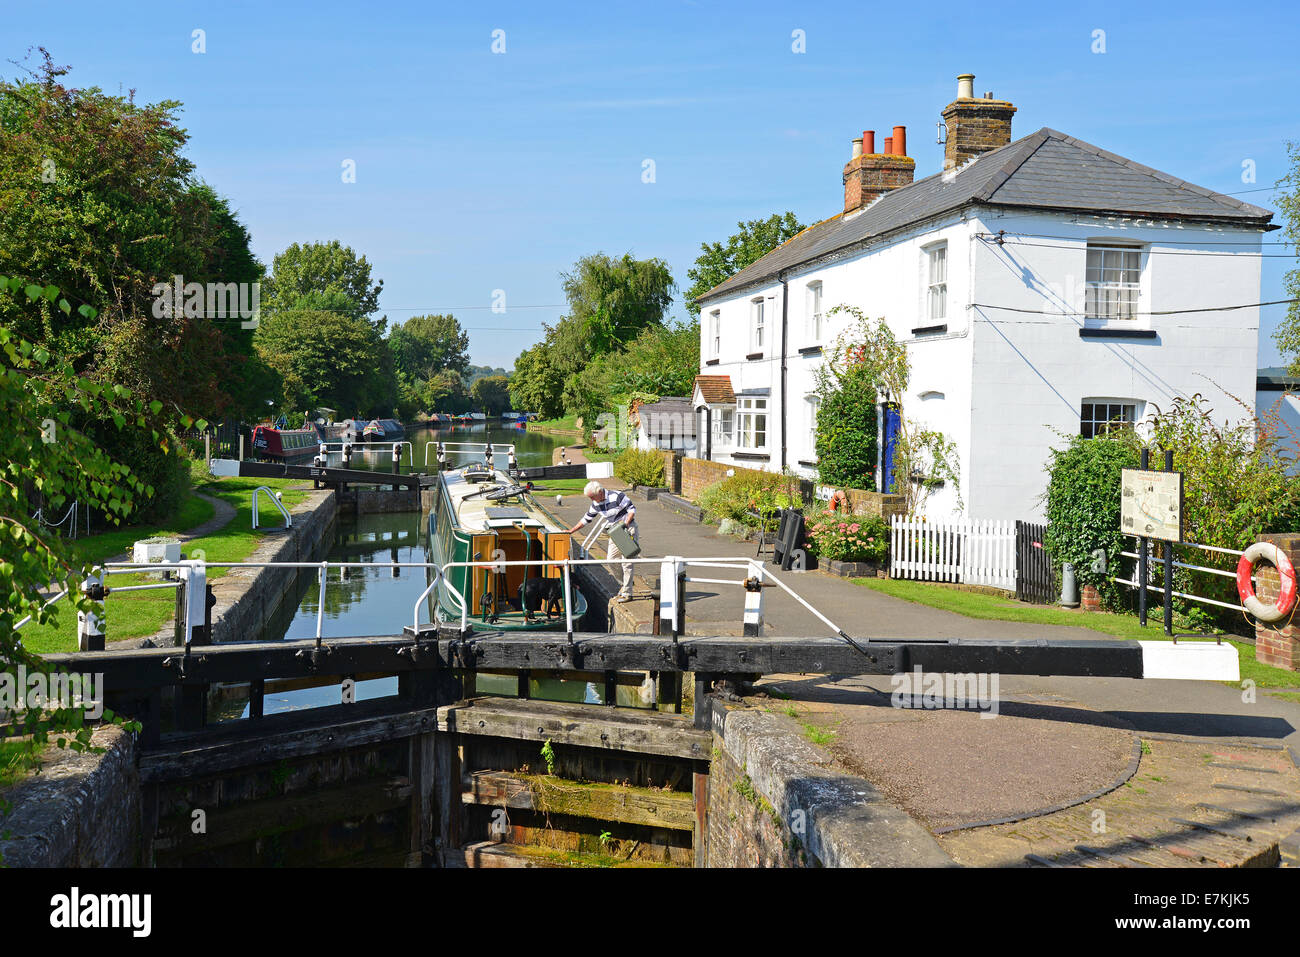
(973, 552)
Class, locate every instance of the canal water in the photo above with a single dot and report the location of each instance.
(532, 449)
(380, 599)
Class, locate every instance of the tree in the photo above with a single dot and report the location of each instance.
(537, 384)
(320, 268)
(662, 360)
(46, 463)
(424, 345)
(445, 392)
(718, 262)
(612, 300)
(868, 354)
(846, 431)
(1287, 334)
(98, 199)
(327, 358)
(491, 394)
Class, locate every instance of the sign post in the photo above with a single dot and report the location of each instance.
(1151, 506)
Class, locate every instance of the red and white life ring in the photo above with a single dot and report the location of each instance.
(1266, 551)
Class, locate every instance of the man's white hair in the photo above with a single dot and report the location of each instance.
(591, 489)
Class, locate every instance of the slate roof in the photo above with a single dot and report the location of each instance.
(673, 415)
(1045, 170)
(716, 389)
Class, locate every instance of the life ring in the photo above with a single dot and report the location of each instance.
(1266, 551)
(839, 498)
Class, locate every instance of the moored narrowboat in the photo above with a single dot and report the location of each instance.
(292, 446)
(383, 430)
(480, 514)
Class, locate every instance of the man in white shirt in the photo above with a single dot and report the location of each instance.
(613, 506)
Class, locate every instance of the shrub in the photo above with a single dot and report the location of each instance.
(640, 467)
(750, 491)
(848, 538)
(1083, 504)
(846, 432)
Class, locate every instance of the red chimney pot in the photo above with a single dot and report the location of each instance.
(900, 140)
(889, 145)
(868, 141)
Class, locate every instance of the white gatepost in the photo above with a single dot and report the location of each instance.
(670, 596)
(195, 576)
(754, 604)
(90, 626)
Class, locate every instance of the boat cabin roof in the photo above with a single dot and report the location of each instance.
(468, 488)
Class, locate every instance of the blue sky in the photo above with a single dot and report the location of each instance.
(478, 171)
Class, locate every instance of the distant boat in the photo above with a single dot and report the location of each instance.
(383, 430)
(284, 445)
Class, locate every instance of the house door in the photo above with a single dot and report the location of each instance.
(889, 444)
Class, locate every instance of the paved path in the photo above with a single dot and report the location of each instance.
(1057, 740)
(222, 513)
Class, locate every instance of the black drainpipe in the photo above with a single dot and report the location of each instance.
(785, 333)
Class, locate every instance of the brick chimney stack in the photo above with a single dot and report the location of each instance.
(869, 175)
(974, 126)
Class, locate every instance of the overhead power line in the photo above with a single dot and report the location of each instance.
(1160, 312)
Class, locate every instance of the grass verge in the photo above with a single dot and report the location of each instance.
(138, 614)
(989, 607)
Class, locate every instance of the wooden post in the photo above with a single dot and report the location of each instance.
(422, 771)
(668, 691)
(700, 791)
(703, 704)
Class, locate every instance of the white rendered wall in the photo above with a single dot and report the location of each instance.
(1032, 369)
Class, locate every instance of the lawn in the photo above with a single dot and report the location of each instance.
(567, 423)
(138, 614)
(976, 605)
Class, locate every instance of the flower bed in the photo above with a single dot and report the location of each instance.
(837, 537)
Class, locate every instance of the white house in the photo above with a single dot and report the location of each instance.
(1044, 287)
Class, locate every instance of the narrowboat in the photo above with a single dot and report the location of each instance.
(291, 446)
(480, 513)
(382, 430)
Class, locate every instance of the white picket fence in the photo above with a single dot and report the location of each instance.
(973, 552)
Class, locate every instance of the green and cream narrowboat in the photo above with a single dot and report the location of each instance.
(482, 515)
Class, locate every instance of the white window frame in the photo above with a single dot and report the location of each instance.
(813, 403)
(813, 309)
(715, 333)
(936, 281)
(1099, 415)
(724, 425)
(757, 325)
(1112, 282)
(750, 409)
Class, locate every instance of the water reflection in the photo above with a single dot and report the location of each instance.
(380, 600)
(532, 449)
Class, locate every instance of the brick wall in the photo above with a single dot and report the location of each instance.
(699, 474)
(1277, 644)
(744, 829)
